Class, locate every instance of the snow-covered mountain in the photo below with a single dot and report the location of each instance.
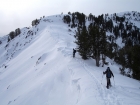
(37, 68)
(131, 19)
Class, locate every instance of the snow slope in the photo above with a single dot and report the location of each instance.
(38, 69)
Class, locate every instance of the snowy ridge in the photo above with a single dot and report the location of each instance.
(37, 68)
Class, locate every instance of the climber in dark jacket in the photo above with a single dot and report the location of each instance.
(108, 73)
(74, 51)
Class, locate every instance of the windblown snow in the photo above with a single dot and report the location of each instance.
(37, 68)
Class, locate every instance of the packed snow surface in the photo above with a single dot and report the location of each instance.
(39, 69)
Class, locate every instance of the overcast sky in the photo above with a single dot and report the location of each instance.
(20, 13)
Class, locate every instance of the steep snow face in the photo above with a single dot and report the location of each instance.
(37, 68)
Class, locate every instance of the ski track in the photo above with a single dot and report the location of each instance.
(108, 96)
(74, 82)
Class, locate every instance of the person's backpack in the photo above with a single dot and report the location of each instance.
(74, 51)
(108, 74)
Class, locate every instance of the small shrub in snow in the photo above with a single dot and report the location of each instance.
(122, 71)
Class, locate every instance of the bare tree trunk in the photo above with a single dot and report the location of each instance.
(97, 58)
(97, 61)
(103, 59)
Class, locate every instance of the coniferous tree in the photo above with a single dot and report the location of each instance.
(135, 61)
(67, 19)
(17, 31)
(90, 17)
(69, 13)
(97, 42)
(12, 35)
(8, 38)
(92, 41)
(82, 42)
(35, 22)
(103, 45)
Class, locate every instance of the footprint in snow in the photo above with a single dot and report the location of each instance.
(76, 80)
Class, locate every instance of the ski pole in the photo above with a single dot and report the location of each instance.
(102, 78)
(114, 81)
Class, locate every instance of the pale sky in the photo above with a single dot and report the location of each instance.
(20, 13)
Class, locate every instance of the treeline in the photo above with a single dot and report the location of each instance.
(37, 21)
(13, 34)
(93, 42)
(17, 31)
